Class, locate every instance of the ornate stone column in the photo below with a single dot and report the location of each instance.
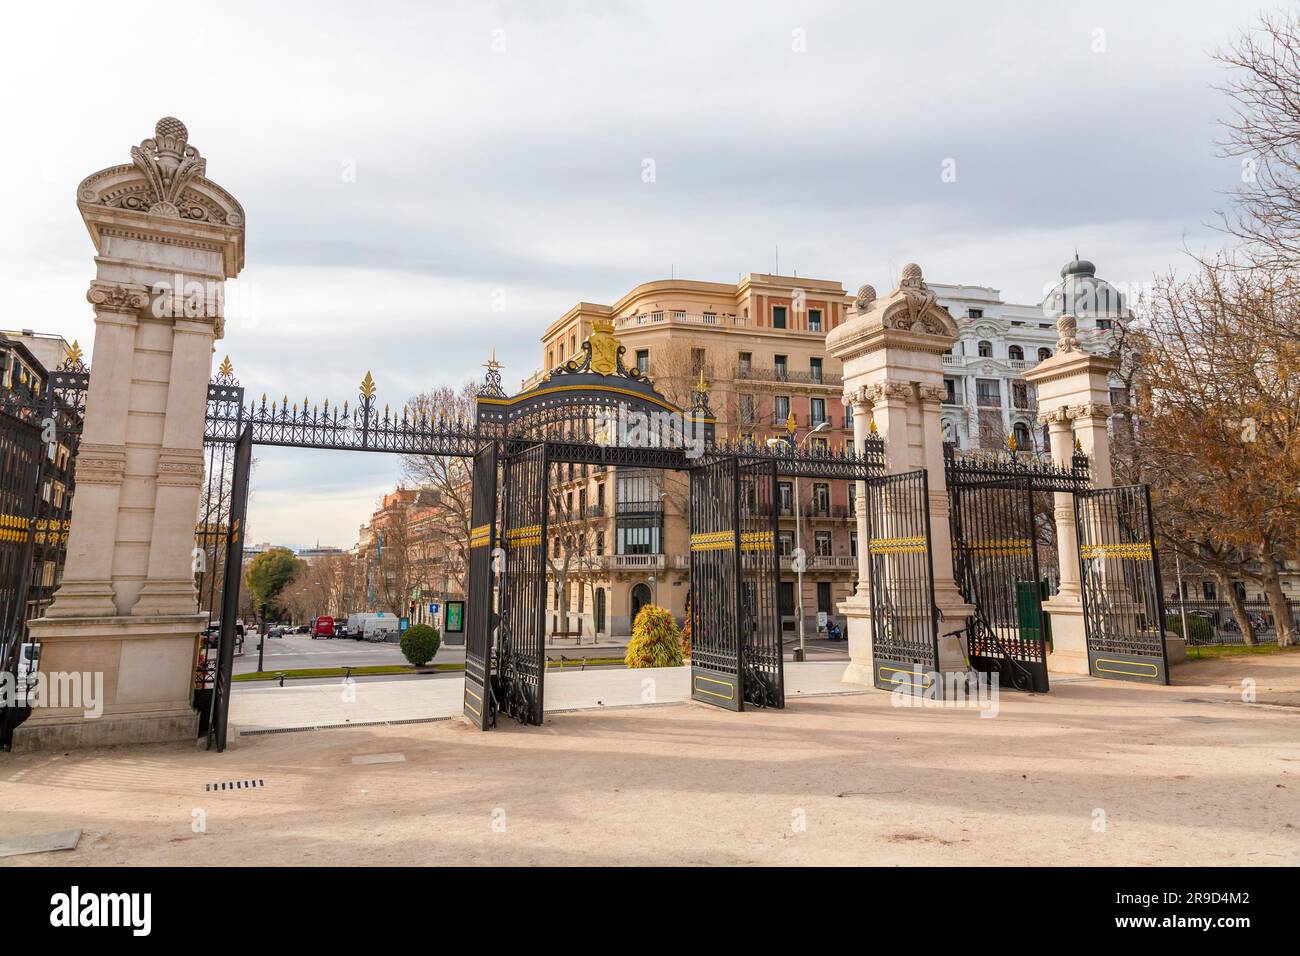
(166, 240)
(892, 352)
(1074, 402)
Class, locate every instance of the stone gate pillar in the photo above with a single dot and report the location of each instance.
(166, 239)
(892, 353)
(1074, 402)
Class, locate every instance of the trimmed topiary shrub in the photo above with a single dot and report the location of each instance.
(1201, 631)
(420, 643)
(656, 641)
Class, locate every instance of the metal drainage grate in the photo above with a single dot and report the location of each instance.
(235, 785)
(362, 723)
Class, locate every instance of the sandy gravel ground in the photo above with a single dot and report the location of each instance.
(1186, 774)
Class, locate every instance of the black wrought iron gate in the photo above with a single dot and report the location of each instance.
(735, 622)
(904, 619)
(234, 573)
(995, 558)
(518, 679)
(480, 613)
(1123, 601)
(762, 670)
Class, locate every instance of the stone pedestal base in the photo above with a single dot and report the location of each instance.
(857, 611)
(1069, 654)
(141, 670)
(1176, 649)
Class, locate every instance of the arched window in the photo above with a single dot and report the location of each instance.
(1016, 352)
(1044, 354)
(1021, 431)
(985, 348)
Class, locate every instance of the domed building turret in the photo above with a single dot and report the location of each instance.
(1081, 294)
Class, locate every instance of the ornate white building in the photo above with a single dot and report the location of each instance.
(988, 400)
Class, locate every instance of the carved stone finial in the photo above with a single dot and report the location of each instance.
(168, 163)
(912, 276)
(866, 296)
(1067, 328)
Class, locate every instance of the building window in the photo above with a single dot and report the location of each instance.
(1016, 352)
(985, 348)
(778, 316)
(1019, 395)
(815, 369)
(697, 362)
(974, 313)
(1021, 433)
(743, 364)
(821, 500)
(949, 391)
(785, 543)
(1044, 354)
(781, 365)
(600, 543)
(643, 361)
(814, 320)
(1103, 324)
(822, 544)
(785, 495)
(817, 411)
(745, 407)
(988, 393)
(780, 409)
(1210, 592)
(853, 543)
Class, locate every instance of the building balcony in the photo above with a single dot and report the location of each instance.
(635, 562)
(749, 373)
(823, 562)
(676, 317)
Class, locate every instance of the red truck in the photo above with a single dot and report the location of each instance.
(324, 627)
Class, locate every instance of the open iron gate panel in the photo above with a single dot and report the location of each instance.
(904, 620)
(1123, 602)
(715, 592)
(518, 681)
(478, 703)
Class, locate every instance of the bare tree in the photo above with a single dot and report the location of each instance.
(1264, 131)
(1219, 401)
(448, 478)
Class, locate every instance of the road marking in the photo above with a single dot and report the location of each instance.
(380, 758)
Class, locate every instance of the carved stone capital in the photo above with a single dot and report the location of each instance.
(933, 393)
(108, 297)
(1055, 416)
(1099, 410)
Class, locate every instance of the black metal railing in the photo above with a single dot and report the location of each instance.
(1214, 623)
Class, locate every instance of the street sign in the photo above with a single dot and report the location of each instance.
(798, 560)
(434, 608)
(821, 620)
(403, 624)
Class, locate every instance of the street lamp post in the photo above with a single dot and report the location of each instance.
(802, 652)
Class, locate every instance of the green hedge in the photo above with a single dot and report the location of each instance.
(1202, 632)
(656, 641)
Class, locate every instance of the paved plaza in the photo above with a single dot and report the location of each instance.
(1096, 772)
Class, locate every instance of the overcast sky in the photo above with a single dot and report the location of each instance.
(405, 166)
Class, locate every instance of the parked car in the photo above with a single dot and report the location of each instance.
(323, 627)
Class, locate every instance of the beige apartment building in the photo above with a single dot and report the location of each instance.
(760, 344)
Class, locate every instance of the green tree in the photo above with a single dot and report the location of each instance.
(268, 575)
(420, 643)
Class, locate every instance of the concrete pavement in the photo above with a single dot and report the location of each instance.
(267, 706)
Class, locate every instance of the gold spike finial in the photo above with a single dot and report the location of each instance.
(74, 352)
(789, 422)
(873, 426)
(224, 369)
(1078, 445)
(1011, 443)
(368, 386)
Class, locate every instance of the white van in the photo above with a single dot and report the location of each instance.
(373, 626)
